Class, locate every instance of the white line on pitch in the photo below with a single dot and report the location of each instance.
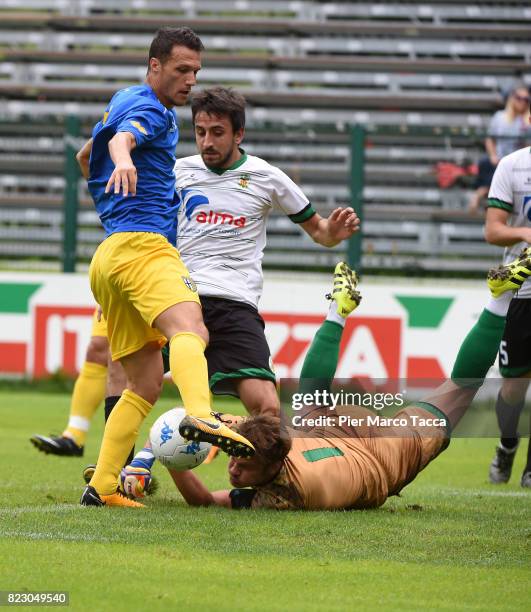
(476, 492)
(49, 508)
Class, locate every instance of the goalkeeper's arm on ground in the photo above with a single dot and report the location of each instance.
(195, 493)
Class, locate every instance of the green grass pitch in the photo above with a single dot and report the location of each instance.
(450, 542)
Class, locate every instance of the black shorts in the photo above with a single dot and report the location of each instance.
(237, 347)
(515, 347)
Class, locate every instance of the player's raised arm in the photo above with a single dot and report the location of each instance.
(123, 176)
(288, 196)
(195, 493)
(83, 158)
(340, 225)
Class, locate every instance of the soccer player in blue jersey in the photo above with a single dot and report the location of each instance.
(136, 274)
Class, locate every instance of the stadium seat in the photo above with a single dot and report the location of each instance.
(309, 70)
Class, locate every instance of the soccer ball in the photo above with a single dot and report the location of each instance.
(135, 482)
(170, 448)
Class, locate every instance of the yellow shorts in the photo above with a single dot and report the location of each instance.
(136, 276)
(99, 328)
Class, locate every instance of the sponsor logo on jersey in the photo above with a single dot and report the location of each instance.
(192, 198)
(244, 181)
(220, 218)
(189, 283)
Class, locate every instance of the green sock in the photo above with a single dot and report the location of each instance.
(479, 349)
(320, 364)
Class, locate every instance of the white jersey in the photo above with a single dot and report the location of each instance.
(511, 191)
(222, 215)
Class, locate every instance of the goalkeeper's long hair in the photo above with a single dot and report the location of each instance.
(269, 438)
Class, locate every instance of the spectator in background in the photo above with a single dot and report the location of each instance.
(508, 129)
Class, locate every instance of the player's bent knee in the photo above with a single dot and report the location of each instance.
(144, 371)
(97, 350)
(149, 388)
(202, 332)
(182, 317)
(116, 379)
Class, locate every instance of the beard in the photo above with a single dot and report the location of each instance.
(221, 163)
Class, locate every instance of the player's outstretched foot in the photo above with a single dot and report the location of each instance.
(344, 290)
(231, 421)
(526, 480)
(57, 445)
(502, 465)
(90, 497)
(510, 276)
(217, 433)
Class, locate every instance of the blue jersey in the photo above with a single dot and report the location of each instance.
(153, 209)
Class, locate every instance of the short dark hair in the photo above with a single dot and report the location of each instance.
(166, 38)
(222, 102)
(268, 436)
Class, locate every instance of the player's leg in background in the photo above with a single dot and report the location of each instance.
(479, 349)
(476, 356)
(509, 405)
(259, 396)
(321, 360)
(144, 373)
(525, 480)
(88, 393)
(514, 363)
(89, 389)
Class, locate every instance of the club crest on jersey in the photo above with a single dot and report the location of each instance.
(244, 181)
(189, 283)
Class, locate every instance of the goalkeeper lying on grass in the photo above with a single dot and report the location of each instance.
(340, 466)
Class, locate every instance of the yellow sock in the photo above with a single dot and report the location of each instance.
(120, 434)
(89, 391)
(189, 371)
